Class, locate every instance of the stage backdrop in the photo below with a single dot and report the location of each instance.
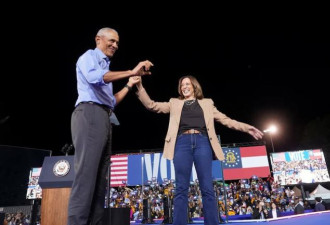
(135, 169)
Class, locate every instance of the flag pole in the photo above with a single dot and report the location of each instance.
(142, 177)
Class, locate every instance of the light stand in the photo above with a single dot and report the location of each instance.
(272, 129)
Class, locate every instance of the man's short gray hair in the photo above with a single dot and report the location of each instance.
(105, 30)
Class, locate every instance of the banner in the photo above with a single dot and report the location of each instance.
(34, 190)
(138, 169)
(297, 155)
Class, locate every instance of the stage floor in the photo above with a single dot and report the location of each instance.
(315, 218)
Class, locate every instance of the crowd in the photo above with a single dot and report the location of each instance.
(18, 218)
(243, 197)
(304, 171)
(259, 198)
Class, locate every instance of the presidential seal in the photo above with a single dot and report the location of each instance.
(61, 168)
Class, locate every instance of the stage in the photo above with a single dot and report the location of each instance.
(318, 218)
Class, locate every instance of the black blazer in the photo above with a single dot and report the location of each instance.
(319, 207)
(299, 209)
(270, 213)
(258, 215)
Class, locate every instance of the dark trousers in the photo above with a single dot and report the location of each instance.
(189, 149)
(91, 136)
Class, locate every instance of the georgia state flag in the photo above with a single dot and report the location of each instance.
(244, 162)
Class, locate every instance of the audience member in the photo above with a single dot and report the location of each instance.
(260, 212)
(274, 212)
(318, 205)
(298, 208)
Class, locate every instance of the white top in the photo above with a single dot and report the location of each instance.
(274, 213)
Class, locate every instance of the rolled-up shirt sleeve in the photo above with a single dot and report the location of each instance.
(92, 70)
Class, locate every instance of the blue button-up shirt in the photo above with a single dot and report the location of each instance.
(90, 69)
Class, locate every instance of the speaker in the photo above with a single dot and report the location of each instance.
(167, 210)
(116, 216)
(2, 217)
(146, 207)
(146, 212)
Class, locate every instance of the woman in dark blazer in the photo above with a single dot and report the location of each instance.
(191, 138)
(274, 212)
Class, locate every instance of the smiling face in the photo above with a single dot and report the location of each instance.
(187, 89)
(108, 41)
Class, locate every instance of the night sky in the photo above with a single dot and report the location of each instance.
(270, 69)
(254, 74)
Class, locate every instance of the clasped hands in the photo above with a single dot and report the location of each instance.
(143, 68)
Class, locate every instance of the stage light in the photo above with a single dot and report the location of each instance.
(271, 130)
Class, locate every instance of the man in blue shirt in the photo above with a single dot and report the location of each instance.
(91, 127)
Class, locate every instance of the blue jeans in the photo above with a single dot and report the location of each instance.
(189, 149)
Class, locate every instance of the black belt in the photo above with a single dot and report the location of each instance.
(105, 107)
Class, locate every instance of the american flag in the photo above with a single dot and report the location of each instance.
(119, 166)
(36, 172)
(278, 157)
(315, 154)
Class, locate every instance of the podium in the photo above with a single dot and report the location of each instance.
(56, 179)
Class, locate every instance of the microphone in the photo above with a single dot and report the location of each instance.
(67, 148)
(64, 148)
(3, 120)
(70, 147)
